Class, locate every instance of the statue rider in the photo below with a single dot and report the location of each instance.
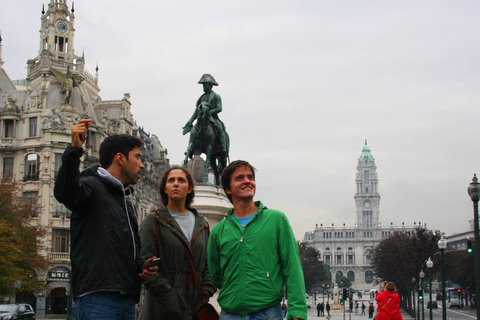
(213, 101)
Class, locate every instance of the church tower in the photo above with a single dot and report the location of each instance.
(367, 198)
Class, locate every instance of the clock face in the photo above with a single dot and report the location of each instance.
(367, 204)
(62, 26)
(45, 28)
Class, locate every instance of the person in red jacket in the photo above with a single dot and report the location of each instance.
(388, 303)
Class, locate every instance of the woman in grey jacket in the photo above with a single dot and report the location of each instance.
(169, 233)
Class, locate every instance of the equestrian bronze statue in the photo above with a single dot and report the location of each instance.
(208, 135)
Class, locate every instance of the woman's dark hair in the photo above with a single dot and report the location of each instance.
(163, 183)
(228, 171)
(123, 143)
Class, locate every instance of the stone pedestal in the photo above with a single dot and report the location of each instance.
(212, 202)
(209, 199)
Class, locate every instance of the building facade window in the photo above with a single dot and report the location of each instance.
(338, 259)
(369, 276)
(32, 129)
(57, 164)
(328, 259)
(366, 177)
(60, 210)
(30, 200)
(351, 276)
(7, 168)
(32, 167)
(9, 126)
(60, 240)
(91, 140)
(367, 219)
(351, 259)
(368, 258)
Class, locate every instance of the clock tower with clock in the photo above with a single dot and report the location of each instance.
(57, 31)
(367, 198)
(56, 55)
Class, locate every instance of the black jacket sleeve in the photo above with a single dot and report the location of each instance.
(68, 189)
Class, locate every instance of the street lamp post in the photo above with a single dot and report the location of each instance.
(323, 294)
(442, 245)
(413, 299)
(422, 276)
(474, 193)
(430, 266)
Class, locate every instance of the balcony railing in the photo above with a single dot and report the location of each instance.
(58, 257)
(31, 177)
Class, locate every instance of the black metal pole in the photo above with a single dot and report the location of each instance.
(477, 256)
(423, 307)
(430, 294)
(444, 303)
(414, 313)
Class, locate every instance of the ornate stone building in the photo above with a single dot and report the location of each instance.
(35, 122)
(348, 250)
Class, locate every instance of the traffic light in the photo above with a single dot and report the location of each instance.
(469, 246)
(345, 294)
(341, 302)
(420, 294)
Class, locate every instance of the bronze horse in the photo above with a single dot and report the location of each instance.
(203, 139)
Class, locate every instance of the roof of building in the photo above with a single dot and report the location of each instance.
(5, 82)
(366, 152)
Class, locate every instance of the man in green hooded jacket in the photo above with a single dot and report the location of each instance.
(253, 255)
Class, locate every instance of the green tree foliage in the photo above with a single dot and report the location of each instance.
(314, 270)
(343, 282)
(460, 268)
(19, 243)
(401, 257)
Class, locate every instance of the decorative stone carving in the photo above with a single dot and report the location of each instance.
(53, 122)
(10, 106)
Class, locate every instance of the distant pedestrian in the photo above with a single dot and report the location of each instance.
(370, 310)
(363, 309)
(356, 306)
(322, 308)
(319, 308)
(328, 308)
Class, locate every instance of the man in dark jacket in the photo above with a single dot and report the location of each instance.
(105, 252)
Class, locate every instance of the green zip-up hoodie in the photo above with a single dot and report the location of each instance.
(252, 264)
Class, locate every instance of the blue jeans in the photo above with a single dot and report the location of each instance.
(271, 313)
(104, 306)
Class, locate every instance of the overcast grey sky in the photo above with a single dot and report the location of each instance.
(303, 84)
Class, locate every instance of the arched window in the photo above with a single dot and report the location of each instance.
(369, 276)
(351, 276)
